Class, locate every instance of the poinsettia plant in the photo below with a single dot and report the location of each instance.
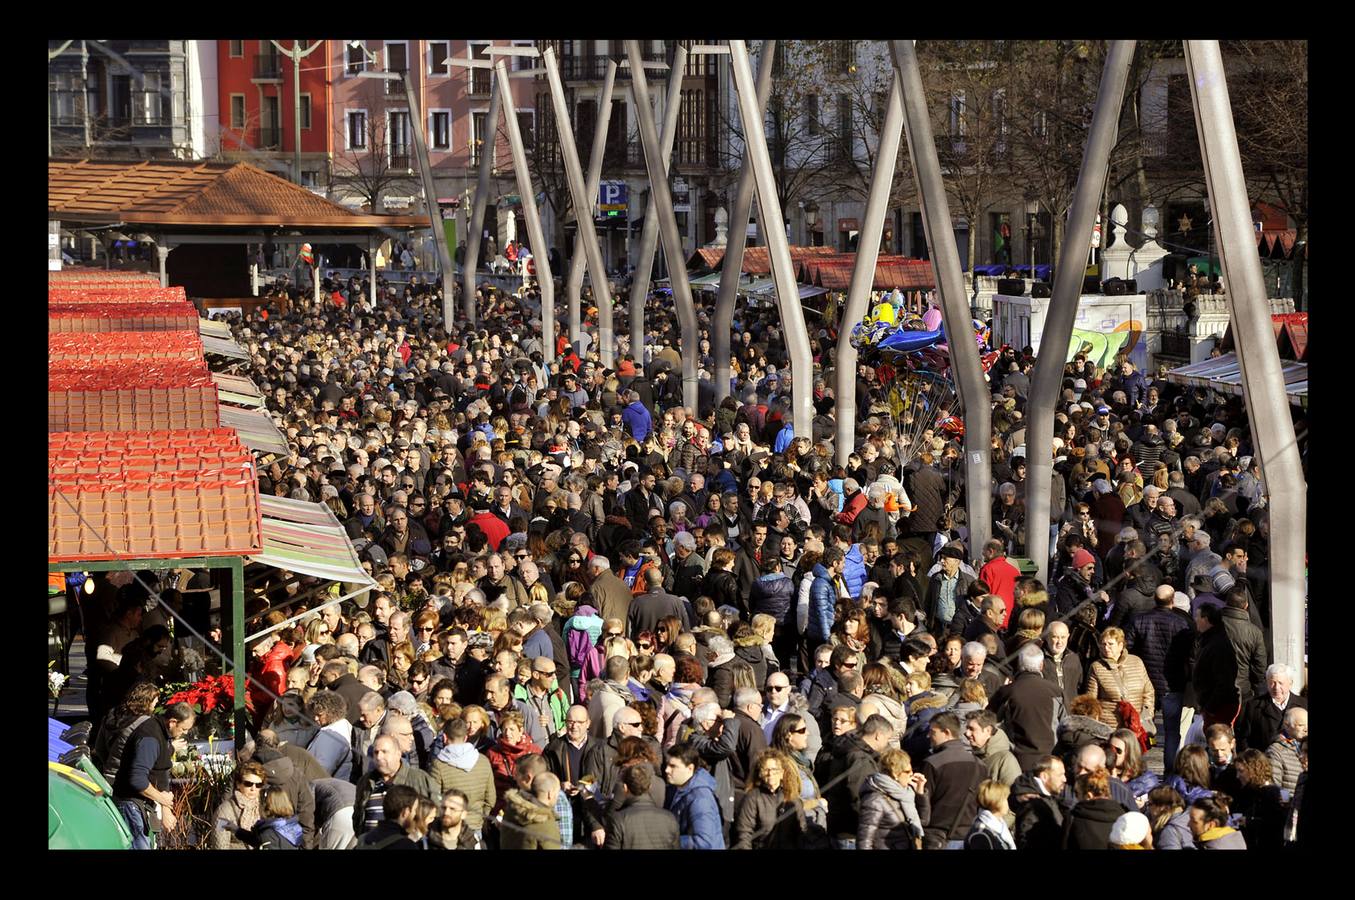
(213, 699)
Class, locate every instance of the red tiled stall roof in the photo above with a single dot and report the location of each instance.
(87, 294)
(168, 493)
(101, 349)
(101, 277)
(756, 260)
(1291, 335)
(139, 316)
(194, 194)
(141, 396)
(835, 273)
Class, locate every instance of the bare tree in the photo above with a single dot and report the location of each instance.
(381, 163)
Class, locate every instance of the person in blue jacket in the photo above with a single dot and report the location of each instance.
(637, 419)
(691, 797)
(823, 596)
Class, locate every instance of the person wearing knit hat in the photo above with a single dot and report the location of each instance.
(1131, 831)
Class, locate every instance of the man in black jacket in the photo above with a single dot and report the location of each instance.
(1035, 803)
(843, 765)
(953, 778)
(639, 824)
(1162, 638)
(1030, 709)
(336, 677)
(1263, 715)
(1214, 674)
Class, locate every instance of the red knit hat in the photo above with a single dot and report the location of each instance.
(1082, 558)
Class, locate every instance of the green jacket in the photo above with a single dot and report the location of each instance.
(558, 702)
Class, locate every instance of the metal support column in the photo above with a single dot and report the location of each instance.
(778, 247)
(529, 212)
(965, 368)
(732, 265)
(430, 197)
(1263, 381)
(236, 640)
(471, 261)
(649, 233)
(574, 283)
(372, 246)
(1068, 277)
(583, 213)
(863, 272)
(660, 214)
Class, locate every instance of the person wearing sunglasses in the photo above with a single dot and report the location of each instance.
(797, 736)
(236, 816)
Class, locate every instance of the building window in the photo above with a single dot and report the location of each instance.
(238, 111)
(397, 56)
(438, 52)
(237, 49)
(812, 113)
(527, 125)
(306, 111)
(355, 135)
(958, 125)
(397, 140)
(480, 78)
(440, 129)
(844, 118)
(310, 178)
(357, 58)
(154, 107)
(478, 136)
(843, 57)
(66, 96)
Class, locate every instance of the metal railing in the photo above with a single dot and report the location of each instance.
(401, 160)
(395, 87)
(270, 138)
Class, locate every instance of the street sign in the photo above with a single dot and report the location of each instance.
(682, 201)
(613, 196)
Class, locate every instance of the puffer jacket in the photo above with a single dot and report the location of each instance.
(1176, 834)
(1122, 679)
(1284, 760)
(822, 599)
(764, 821)
(1221, 838)
(749, 649)
(774, 595)
(893, 712)
(528, 824)
(1154, 637)
(843, 765)
(892, 815)
(698, 811)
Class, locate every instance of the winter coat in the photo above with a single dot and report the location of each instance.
(283, 771)
(698, 813)
(235, 819)
(988, 833)
(843, 765)
(613, 596)
(1154, 637)
(892, 815)
(927, 489)
(1261, 719)
(997, 756)
(893, 712)
(764, 821)
(332, 748)
(1123, 679)
(407, 775)
(1039, 817)
(938, 619)
(822, 600)
(278, 834)
(460, 767)
(820, 690)
(953, 778)
(854, 571)
(528, 824)
(1176, 834)
(1213, 681)
(1285, 763)
(749, 649)
(1249, 649)
(503, 759)
(605, 700)
(641, 825)
(774, 595)
(1065, 674)
(1030, 709)
(722, 586)
(1088, 824)
(1221, 838)
(1078, 731)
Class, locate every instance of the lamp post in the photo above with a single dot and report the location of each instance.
(811, 217)
(296, 54)
(1032, 213)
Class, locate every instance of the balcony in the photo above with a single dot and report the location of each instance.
(270, 138)
(480, 80)
(395, 87)
(401, 160)
(268, 68)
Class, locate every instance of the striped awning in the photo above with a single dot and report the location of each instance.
(214, 328)
(223, 347)
(238, 390)
(256, 429)
(1224, 374)
(305, 537)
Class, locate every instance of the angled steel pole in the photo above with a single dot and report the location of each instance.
(863, 272)
(737, 241)
(574, 283)
(649, 233)
(583, 210)
(661, 212)
(778, 247)
(1262, 376)
(1058, 329)
(471, 262)
(529, 212)
(430, 196)
(965, 369)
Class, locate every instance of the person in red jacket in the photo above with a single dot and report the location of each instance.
(1000, 576)
(271, 656)
(494, 528)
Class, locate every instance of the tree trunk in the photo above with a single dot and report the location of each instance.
(973, 261)
(1300, 244)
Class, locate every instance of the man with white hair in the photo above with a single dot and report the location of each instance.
(974, 664)
(689, 567)
(1262, 716)
(1202, 559)
(611, 593)
(1029, 708)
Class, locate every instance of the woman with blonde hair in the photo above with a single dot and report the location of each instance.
(894, 806)
(1120, 676)
(771, 815)
(989, 831)
(881, 698)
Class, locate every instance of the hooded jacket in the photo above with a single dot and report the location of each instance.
(1039, 817)
(1221, 838)
(997, 756)
(528, 824)
(843, 765)
(773, 594)
(822, 600)
(698, 812)
(1176, 834)
(278, 833)
(1088, 824)
(282, 771)
(461, 767)
(892, 815)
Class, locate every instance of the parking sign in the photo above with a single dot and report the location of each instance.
(613, 196)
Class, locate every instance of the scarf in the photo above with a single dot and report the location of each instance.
(996, 826)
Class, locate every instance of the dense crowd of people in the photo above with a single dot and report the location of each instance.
(609, 621)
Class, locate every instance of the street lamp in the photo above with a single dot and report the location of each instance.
(812, 216)
(1032, 213)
